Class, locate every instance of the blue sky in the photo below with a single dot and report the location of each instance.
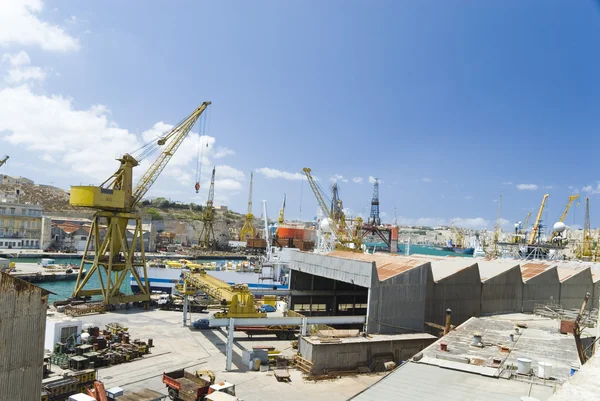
(450, 103)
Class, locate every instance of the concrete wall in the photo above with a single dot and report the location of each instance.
(502, 293)
(22, 324)
(573, 289)
(346, 270)
(541, 289)
(350, 356)
(397, 305)
(460, 292)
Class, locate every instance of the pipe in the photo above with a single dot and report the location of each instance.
(448, 315)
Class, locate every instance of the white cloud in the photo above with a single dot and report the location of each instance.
(338, 178)
(20, 70)
(428, 180)
(227, 185)
(20, 25)
(223, 152)
(591, 190)
(357, 180)
(527, 187)
(274, 173)
(224, 171)
(372, 180)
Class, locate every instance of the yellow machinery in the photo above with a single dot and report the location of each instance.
(248, 229)
(237, 298)
(3, 160)
(459, 237)
(111, 253)
(347, 239)
(280, 219)
(207, 234)
(538, 219)
(562, 217)
(493, 253)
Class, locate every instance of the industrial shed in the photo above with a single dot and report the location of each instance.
(457, 286)
(575, 281)
(541, 284)
(501, 286)
(22, 324)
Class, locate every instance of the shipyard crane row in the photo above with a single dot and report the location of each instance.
(108, 249)
(562, 217)
(536, 229)
(248, 229)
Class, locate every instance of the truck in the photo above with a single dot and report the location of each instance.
(186, 386)
(174, 303)
(282, 332)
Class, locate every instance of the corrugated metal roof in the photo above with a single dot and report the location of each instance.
(565, 272)
(420, 382)
(388, 265)
(532, 269)
(492, 268)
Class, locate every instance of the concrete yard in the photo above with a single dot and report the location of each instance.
(177, 347)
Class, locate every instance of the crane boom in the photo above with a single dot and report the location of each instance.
(176, 135)
(536, 225)
(562, 217)
(340, 229)
(280, 219)
(3, 160)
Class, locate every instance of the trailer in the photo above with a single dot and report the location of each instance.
(187, 386)
(174, 303)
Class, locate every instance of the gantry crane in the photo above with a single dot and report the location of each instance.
(497, 230)
(535, 230)
(459, 237)
(248, 229)
(207, 234)
(338, 227)
(562, 217)
(237, 298)
(374, 222)
(114, 201)
(3, 160)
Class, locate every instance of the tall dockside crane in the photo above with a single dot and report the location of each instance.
(281, 217)
(536, 229)
(562, 217)
(248, 229)
(207, 234)
(497, 230)
(337, 227)
(111, 255)
(374, 216)
(3, 160)
(586, 249)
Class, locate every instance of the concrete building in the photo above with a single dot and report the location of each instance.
(8, 180)
(399, 294)
(22, 324)
(352, 353)
(20, 225)
(453, 369)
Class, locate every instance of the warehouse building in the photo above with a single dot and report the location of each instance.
(22, 324)
(400, 294)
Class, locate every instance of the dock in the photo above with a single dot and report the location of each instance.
(35, 273)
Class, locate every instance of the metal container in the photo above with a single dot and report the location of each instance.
(523, 366)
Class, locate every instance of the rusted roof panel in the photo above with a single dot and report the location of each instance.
(532, 269)
(387, 265)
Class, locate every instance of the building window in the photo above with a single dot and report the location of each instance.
(12, 211)
(67, 332)
(28, 224)
(1, 243)
(27, 243)
(11, 223)
(83, 238)
(24, 212)
(33, 225)
(2, 210)
(1, 223)
(22, 224)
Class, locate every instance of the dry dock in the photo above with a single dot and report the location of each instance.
(177, 347)
(35, 273)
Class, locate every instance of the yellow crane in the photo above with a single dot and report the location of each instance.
(207, 234)
(497, 230)
(586, 250)
(3, 160)
(108, 250)
(538, 219)
(238, 299)
(248, 229)
(562, 217)
(459, 237)
(281, 219)
(348, 240)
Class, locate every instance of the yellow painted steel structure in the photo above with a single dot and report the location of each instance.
(348, 240)
(536, 225)
(562, 217)
(586, 249)
(248, 230)
(237, 298)
(460, 239)
(207, 234)
(108, 250)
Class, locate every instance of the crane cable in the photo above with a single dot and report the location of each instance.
(204, 122)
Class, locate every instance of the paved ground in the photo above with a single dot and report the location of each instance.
(178, 347)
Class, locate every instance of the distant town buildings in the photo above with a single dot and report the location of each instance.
(20, 225)
(8, 180)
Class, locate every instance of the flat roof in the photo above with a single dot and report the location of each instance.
(539, 341)
(372, 338)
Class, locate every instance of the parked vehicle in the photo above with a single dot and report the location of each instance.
(186, 386)
(267, 308)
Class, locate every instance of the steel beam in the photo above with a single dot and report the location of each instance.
(289, 321)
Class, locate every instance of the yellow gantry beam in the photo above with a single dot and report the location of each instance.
(536, 226)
